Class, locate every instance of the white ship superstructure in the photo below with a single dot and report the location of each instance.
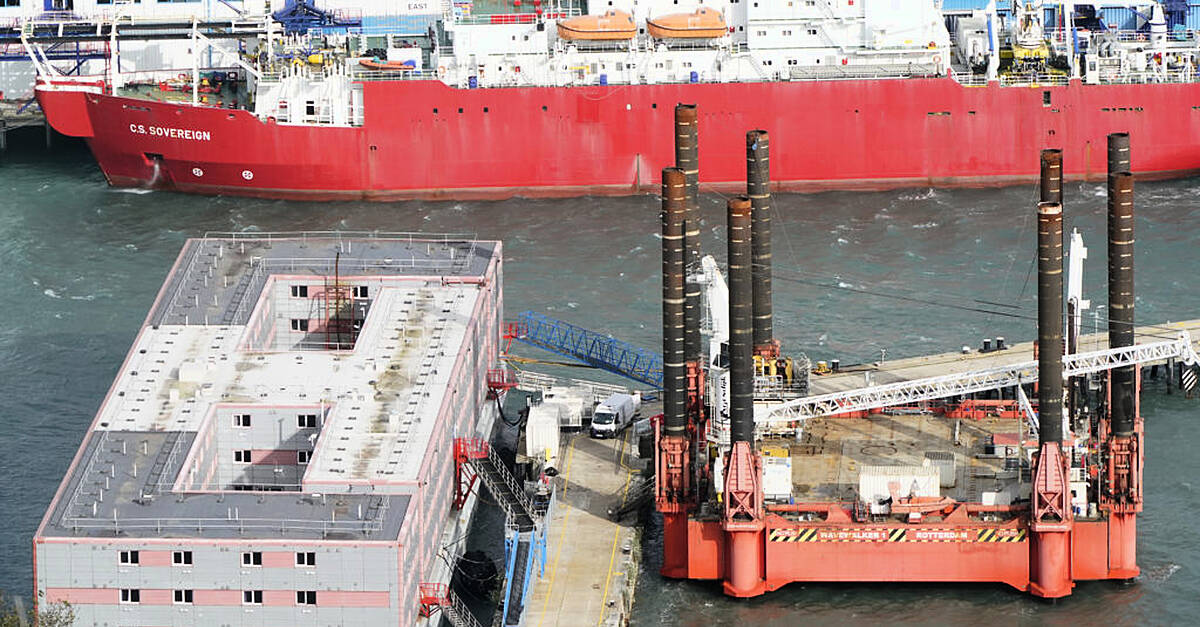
(764, 41)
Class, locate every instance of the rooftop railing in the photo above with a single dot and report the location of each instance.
(377, 513)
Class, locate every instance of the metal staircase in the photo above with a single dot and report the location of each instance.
(439, 597)
(526, 531)
(475, 458)
(161, 461)
(518, 570)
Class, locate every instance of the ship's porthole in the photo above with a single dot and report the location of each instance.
(197, 172)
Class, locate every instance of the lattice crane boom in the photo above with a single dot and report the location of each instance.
(960, 384)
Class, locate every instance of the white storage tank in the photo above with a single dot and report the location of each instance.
(542, 434)
(878, 483)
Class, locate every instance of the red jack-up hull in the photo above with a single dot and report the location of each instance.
(1041, 547)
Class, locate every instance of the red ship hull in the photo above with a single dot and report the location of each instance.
(422, 139)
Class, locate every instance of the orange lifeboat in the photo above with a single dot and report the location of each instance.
(376, 64)
(704, 23)
(613, 25)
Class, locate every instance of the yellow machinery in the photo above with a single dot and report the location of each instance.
(773, 367)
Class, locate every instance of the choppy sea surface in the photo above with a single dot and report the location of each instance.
(857, 274)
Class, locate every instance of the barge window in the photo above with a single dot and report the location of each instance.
(252, 558)
(251, 597)
(299, 324)
(241, 457)
(128, 557)
(306, 421)
(183, 558)
(241, 420)
(131, 595)
(183, 597)
(302, 458)
(306, 558)
(306, 597)
(300, 291)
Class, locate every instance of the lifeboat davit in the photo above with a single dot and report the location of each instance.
(704, 23)
(612, 26)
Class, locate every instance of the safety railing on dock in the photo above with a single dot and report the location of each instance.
(538, 382)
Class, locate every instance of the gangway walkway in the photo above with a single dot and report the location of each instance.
(525, 528)
(595, 349)
(477, 456)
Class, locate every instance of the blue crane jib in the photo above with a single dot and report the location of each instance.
(300, 16)
(595, 349)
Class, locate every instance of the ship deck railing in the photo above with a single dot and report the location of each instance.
(518, 18)
(862, 72)
(1060, 80)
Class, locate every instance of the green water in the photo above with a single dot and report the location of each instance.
(82, 262)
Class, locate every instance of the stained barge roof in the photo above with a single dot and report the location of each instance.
(196, 353)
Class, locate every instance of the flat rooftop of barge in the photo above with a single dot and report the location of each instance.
(357, 333)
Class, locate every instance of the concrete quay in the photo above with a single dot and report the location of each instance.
(592, 563)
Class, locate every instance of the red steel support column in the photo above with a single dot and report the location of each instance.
(1050, 518)
(745, 575)
(673, 477)
(1122, 494)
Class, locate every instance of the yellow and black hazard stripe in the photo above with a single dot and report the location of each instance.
(994, 535)
(811, 534)
(793, 535)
